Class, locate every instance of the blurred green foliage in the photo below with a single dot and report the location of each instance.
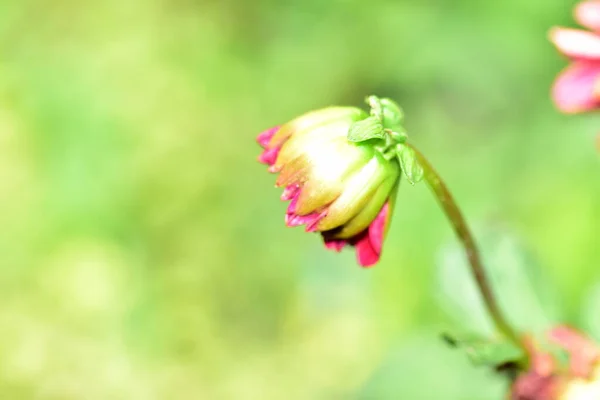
(143, 253)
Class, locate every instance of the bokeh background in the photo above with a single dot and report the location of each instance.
(143, 253)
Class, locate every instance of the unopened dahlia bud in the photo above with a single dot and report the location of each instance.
(339, 169)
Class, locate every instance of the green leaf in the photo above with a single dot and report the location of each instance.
(483, 351)
(590, 318)
(525, 295)
(366, 129)
(421, 354)
(409, 164)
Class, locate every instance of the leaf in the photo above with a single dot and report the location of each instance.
(366, 129)
(523, 293)
(409, 164)
(483, 351)
(591, 312)
(421, 354)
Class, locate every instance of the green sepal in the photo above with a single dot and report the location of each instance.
(366, 129)
(486, 352)
(387, 111)
(376, 107)
(392, 114)
(398, 137)
(409, 163)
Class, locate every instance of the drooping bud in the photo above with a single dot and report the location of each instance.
(339, 169)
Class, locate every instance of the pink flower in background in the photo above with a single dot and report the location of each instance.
(549, 379)
(341, 189)
(577, 88)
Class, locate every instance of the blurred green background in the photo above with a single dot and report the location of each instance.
(142, 248)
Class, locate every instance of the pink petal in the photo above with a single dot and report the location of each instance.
(310, 220)
(265, 137)
(576, 43)
(335, 244)
(377, 228)
(269, 156)
(573, 90)
(292, 206)
(368, 243)
(274, 169)
(292, 219)
(583, 352)
(365, 253)
(290, 192)
(588, 14)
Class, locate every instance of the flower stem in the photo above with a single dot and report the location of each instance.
(461, 229)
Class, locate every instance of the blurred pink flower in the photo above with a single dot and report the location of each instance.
(577, 88)
(547, 379)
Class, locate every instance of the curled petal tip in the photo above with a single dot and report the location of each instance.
(335, 244)
(312, 221)
(292, 206)
(309, 220)
(264, 138)
(292, 220)
(269, 156)
(290, 192)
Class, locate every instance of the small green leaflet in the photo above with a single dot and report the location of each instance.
(392, 115)
(409, 163)
(366, 129)
(376, 108)
(387, 111)
(486, 352)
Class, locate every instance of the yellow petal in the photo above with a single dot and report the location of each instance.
(294, 172)
(311, 120)
(330, 166)
(356, 195)
(312, 140)
(385, 192)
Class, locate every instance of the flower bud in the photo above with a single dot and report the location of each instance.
(343, 189)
